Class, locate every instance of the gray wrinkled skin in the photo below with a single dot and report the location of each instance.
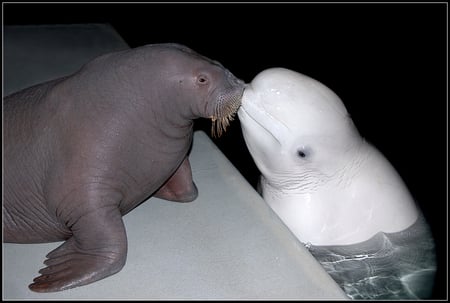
(396, 266)
(83, 150)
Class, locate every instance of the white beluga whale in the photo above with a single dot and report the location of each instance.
(335, 191)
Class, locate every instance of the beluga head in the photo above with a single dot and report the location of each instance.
(295, 126)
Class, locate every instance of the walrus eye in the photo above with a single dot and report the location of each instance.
(202, 79)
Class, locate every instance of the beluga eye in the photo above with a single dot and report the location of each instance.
(302, 152)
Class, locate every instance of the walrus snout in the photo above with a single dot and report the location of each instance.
(236, 82)
(226, 107)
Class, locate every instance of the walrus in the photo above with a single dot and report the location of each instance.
(334, 190)
(83, 150)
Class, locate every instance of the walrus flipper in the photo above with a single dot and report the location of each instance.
(179, 187)
(96, 250)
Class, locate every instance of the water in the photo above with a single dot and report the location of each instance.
(386, 267)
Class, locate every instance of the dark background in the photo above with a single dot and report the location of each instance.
(387, 62)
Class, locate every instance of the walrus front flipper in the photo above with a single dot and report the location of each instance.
(96, 250)
(179, 187)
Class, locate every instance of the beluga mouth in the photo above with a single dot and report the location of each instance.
(264, 119)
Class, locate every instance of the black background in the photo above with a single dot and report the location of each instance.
(387, 62)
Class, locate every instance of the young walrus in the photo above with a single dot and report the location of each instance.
(82, 151)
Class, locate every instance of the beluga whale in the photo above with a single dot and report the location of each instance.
(335, 191)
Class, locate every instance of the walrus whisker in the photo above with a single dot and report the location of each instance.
(223, 115)
(219, 126)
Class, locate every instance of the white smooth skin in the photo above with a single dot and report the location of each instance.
(327, 184)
